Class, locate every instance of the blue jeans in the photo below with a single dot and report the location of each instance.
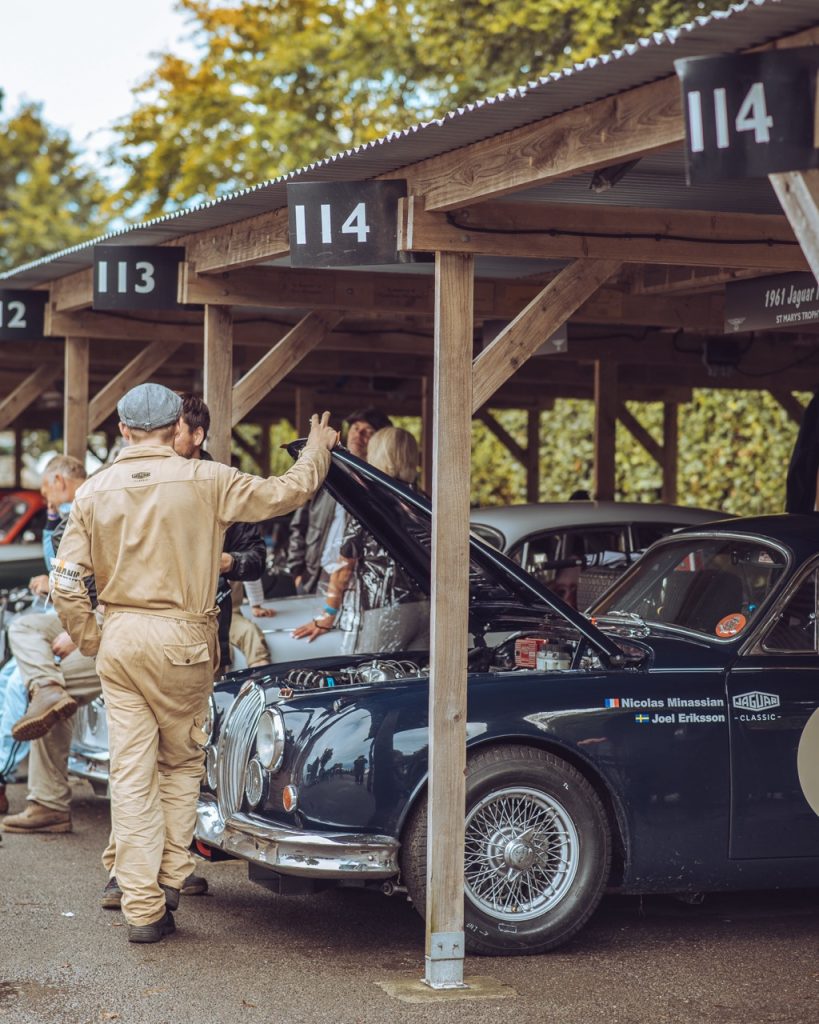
(13, 704)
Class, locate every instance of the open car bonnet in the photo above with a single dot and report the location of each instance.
(400, 519)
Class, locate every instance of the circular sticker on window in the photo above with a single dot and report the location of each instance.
(730, 625)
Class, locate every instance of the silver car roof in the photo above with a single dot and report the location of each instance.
(516, 522)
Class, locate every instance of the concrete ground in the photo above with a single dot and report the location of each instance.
(242, 954)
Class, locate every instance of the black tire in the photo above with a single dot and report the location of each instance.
(536, 906)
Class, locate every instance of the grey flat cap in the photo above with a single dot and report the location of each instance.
(149, 406)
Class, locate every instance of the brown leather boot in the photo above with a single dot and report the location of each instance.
(49, 703)
(4, 800)
(36, 818)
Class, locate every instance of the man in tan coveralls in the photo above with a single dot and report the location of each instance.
(150, 530)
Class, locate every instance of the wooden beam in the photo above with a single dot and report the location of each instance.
(304, 406)
(671, 432)
(663, 280)
(533, 455)
(449, 620)
(606, 401)
(26, 392)
(121, 327)
(790, 403)
(218, 379)
(626, 234)
(72, 292)
(75, 404)
(285, 355)
(798, 192)
(517, 451)
(626, 126)
(639, 433)
(262, 237)
(139, 369)
(538, 321)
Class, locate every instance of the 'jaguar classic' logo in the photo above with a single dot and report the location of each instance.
(755, 701)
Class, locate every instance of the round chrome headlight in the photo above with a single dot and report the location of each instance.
(254, 782)
(210, 767)
(270, 739)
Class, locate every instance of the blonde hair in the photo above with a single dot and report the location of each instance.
(395, 452)
(65, 465)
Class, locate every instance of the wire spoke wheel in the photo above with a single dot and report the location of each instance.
(521, 853)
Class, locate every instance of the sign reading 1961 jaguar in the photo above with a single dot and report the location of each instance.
(668, 742)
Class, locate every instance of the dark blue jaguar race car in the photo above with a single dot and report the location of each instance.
(666, 743)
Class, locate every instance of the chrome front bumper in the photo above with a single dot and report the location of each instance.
(92, 765)
(293, 852)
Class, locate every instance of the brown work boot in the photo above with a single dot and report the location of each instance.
(49, 703)
(36, 818)
(4, 800)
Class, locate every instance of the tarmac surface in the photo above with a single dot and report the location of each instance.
(242, 954)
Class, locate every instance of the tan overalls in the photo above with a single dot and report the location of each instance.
(150, 529)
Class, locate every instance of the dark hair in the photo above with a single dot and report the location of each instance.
(195, 413)
(377, 419)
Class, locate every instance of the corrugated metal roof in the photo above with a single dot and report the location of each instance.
(743, 25)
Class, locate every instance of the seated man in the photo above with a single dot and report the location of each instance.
(58, 679)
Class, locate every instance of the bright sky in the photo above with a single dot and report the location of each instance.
(81, 58)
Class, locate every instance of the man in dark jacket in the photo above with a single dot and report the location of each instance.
(244, 553)
(311, 523)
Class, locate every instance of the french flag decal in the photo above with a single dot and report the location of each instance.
(612, 702)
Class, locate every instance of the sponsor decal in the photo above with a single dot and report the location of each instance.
(756, 700)
(65, 575)
(730, 625)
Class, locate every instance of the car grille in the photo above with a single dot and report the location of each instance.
(235, 741)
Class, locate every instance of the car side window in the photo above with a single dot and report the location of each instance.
(643, 535)
(589, 542)
(794, 629)
(537, 555)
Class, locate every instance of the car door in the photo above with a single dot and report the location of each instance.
(773, 690)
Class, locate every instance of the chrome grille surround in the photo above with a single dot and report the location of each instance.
(233, 750)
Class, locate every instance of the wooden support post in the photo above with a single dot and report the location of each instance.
(138, 370)
(605, 426)
(533, 455)
(75, 404)
(218, 383)
(449, 621)
(26, 392)
(670, 446)
(427, 435)
(305, 407)
(798, 192)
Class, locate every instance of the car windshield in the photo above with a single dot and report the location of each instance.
(713, 586)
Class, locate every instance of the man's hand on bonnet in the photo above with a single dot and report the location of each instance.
(321, 433)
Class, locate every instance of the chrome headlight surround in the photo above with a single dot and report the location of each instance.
(210, 720)
(270, 739)
(254, 781)
(211, 760)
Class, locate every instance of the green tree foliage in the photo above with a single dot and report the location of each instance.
(733, 457)
(48, 199)
(278, 84)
